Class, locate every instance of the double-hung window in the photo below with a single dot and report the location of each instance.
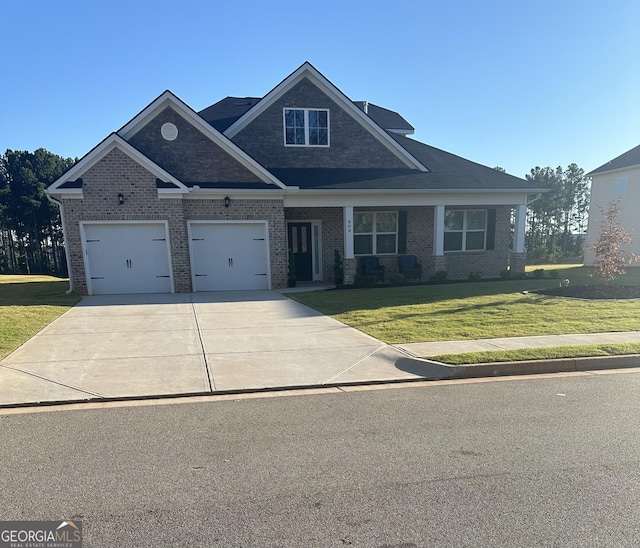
(375, 232)
(306, 127)
(465, 230)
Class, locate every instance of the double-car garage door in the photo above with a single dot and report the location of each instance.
(135, 257)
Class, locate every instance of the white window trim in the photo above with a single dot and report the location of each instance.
(306, 127)
(464, 232)
(374, 246)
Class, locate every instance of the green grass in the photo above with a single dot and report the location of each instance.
(582, 351)
(27, 304)
(474, 310)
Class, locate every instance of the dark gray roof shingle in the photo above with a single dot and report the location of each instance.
(628, 159)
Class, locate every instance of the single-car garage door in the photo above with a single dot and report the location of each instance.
(127, 258)
(229, 255)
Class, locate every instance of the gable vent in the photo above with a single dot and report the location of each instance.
(169, 131)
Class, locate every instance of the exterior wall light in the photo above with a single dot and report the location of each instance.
(120, 198)
(227, 201)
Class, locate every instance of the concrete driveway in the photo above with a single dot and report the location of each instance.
(150, 345)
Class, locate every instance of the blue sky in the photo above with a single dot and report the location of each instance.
(512, 83)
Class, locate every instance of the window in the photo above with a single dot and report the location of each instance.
(622, 187)
(306, 127)
(465, 230)
(375, 233)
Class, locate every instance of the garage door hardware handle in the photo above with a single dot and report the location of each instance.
(197, 239)
(129, 263)
(159, 239)
(163, 276)
(258, 239)
(261, 274)
(97, 277)
(230, 261)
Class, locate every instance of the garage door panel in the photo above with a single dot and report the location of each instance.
(229, 256)
(127, 258)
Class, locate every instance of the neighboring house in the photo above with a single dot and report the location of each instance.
(617, 179)
(183, 201)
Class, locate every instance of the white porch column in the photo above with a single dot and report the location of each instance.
(438, 231)
(520, 228)
(348, 232)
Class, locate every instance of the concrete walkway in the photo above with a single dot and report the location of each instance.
(158, 345)
(428, 349)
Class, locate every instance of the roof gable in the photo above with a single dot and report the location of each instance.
(309, 72)
(67, 183)
(169, 100)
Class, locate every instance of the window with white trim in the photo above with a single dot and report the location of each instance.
(465, 230)
(306, 127)
(375, 232)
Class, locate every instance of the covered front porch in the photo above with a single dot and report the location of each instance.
(458, 236)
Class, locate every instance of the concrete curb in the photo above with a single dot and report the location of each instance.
(502, 369)
(484, 370)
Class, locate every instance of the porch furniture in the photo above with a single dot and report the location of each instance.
(370, 266)
(409, 267)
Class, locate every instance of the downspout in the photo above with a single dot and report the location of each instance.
(66, 245)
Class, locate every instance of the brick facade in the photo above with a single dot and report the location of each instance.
(192, 157)
(118, 173)
(351, 146)
(420, 242)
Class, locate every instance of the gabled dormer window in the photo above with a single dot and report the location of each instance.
(306, 127)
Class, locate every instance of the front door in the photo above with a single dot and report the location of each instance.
(300, 244)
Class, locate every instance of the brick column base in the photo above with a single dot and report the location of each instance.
(439, 263)
(517, 262)
(349, 267)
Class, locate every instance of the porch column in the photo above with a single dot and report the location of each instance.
(520, 228)
(348, 232)
(438, 231)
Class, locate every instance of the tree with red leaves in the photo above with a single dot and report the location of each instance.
(610, 259)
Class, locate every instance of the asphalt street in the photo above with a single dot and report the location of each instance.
(548, 460)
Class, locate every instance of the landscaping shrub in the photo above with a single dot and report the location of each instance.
(474, 276)
(438, 276)
(538, 273)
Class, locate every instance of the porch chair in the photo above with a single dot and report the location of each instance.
(370, 266)
(409, 267)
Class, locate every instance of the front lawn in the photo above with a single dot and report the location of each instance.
(27, 304)
(476, 310)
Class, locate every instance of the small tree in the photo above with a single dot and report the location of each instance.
(610, 261)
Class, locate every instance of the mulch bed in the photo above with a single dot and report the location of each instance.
(593, 291)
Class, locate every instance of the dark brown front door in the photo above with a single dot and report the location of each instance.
(300, 244)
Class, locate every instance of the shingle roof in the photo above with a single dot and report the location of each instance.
(224, 113)
(628, 159)
(385, 118)
(446, 172)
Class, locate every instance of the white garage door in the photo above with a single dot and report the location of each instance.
(127, 258)
(228, 256)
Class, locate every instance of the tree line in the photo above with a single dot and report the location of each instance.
(557, 219)
(31, 239)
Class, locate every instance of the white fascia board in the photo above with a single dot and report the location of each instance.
(168, 99)
(100, 151)
(405, 199)
(307, 70)
(240, 194)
